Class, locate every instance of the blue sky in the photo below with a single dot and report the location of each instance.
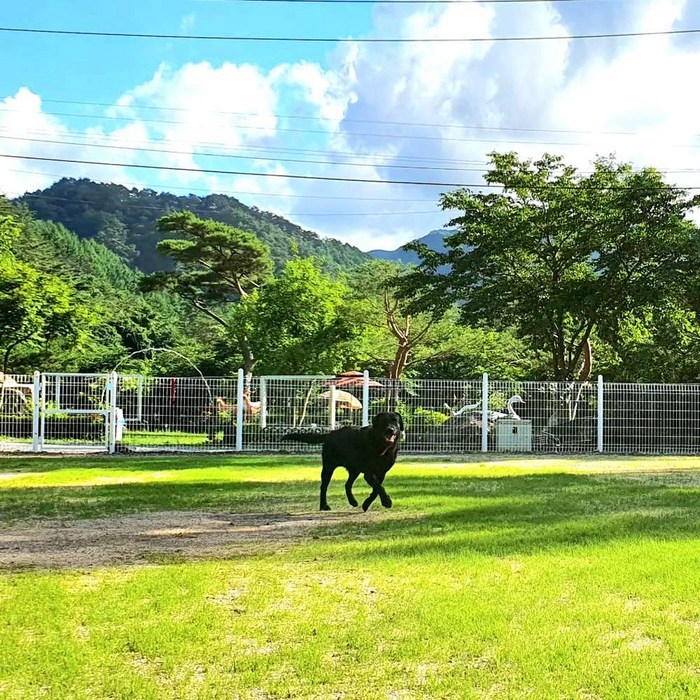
(418, 112)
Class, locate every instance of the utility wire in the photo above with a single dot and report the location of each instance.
(213, 171)
(270, 152)
(321, 178)
(276, 159)
(235, 193)
(417, 137)
(203, 210)
(261, 151)
(326, 40)
(206, 154)
(344, 119)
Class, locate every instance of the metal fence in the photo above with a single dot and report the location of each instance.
(110, 412)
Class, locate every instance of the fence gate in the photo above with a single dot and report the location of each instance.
(76, 412)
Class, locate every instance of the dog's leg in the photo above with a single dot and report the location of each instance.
(348, 488)
(326, 476)
(377, 490)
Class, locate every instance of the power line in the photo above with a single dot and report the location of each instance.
(208, 191)
(196, 209)
(321, 178)
(263, 149)
(363, 40)
(206, 154)
(411, 137)
(270, 153)
(213, 171)
(345, 119)
(276, 159)
(263, 152)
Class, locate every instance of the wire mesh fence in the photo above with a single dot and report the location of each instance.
(175, 413)
(16, 412)
(310, 404)
(652, 418)
(143, 413)
(74, 411)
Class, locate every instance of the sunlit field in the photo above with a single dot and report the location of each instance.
(216, 577)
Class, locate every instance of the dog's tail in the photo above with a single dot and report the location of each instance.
(308, 438)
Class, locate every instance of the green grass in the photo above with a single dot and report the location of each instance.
(518, 578)
(163, 438)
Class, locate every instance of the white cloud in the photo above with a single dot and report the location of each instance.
(27, 132)
(640, 85)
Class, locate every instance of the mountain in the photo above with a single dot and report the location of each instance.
(125, 221)
(435, 240)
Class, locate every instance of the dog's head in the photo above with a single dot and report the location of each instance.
(388, 427)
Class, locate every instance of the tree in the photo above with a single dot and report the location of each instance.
(394, 340)
(296, 322)
(215, 266)
(34, 307)
(558, 255)
(114, 235)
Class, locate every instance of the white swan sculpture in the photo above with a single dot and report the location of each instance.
(492, 415)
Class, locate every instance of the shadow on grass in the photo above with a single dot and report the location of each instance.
(154, 462)
(434, 515)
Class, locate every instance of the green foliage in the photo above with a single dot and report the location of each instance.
(213, 262)
(425, 418)
(297, 323)
(559, 255)
(35, 307)
(9, 233)
(472, 351)
(112, 317)
(440, 348)
(125, 221)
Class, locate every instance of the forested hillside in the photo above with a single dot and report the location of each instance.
(125, 221)
(73, 305)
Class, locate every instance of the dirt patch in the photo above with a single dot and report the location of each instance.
(58, 544)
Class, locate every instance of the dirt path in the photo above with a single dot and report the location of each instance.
(57, 544)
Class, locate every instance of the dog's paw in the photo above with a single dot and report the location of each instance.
(366, 505)
(325, 506)
(387, 502)
(353, 502)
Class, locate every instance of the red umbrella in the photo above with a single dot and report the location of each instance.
(352, 378)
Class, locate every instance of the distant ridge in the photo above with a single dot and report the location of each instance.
(125, 219)
(435, 240)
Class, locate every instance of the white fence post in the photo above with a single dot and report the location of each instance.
(35, 411)
(139, 399)
(112, 428)
(57, 392)
(332, 406)
(263, 403)
(600, 413)
(365, 398)
(485, 413)
(42, 412)
(240, 388)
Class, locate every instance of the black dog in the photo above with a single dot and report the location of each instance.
(371, 451)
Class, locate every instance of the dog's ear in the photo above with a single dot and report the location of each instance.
(400, 419)
(378, 419)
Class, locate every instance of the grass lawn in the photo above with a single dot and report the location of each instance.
(163, 438)
(215, 577)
